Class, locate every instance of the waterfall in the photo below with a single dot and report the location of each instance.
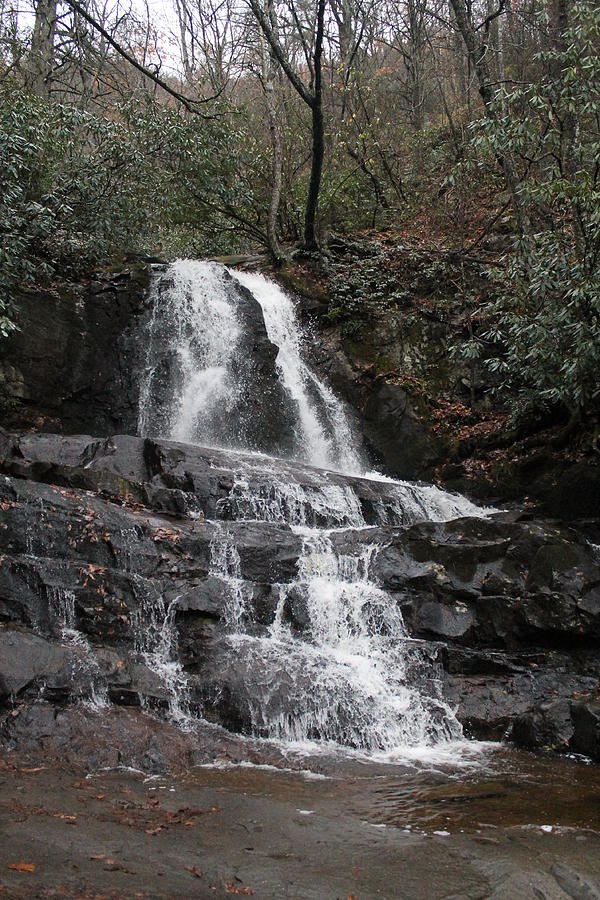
(197, 375)
(351, 676)
(155, 641)
(194, 319)
(336, 663)
(324, 436)
(61, 607)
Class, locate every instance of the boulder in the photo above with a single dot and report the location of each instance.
(585, 713)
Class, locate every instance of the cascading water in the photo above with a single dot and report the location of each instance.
(341, 671)
(324, 436)
(155, 640)
(61, 606)
(335, 663)
(198, 375)
(195, 319)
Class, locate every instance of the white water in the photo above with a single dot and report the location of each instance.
(155, 640)
(195, 316)
(341, 668)
(261, 493)
(324, 436)
(61, 606)
(197, 319)
(346, 677)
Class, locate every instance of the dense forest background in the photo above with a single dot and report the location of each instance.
(445, 149)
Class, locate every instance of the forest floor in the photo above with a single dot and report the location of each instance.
(258, 832)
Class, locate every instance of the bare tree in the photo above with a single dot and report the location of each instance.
(40, 63)
(477, 43)
(312, 94)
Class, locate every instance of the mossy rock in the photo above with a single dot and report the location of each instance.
(305, 282)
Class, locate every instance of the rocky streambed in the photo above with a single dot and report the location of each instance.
(256, 832)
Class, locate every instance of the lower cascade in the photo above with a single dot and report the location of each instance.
(332, 661)
(335, 664)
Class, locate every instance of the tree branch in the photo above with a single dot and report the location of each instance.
(187, 102)
(280, 55)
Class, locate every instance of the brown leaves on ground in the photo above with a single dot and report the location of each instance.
(151, 818)
(69, 820)
(194, 870)
(90, 571)
(69, 493)
(166, 534)
(231, 888)
(22, 867)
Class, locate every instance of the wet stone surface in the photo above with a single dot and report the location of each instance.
(119, 531)
(504, 829)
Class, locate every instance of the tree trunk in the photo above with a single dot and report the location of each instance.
(268, 82)
(318, 138)
(40, 63)
(316, 170)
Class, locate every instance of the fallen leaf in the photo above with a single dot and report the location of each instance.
(70, 820)
(195, 871)
(22, 867)
(231, 888)
(112, 866)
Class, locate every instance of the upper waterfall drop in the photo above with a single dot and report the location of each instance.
(324, 434)
(224, 368)
(193, 336)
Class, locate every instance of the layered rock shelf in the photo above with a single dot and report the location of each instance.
(109, 546)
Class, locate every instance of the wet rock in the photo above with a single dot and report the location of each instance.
(396, 433)
(531, 707)
(77, 359)
(549, 726)
(295, 611)
(494, 583)
(508, 609)
(442, 621)
(100, 739)
(585, 713)
(575, 885)
(28, 661)
(208, 597)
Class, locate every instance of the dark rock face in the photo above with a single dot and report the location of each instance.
(576, 493)
(75, 364)
(396, 433)
(500, 583)
(103, 541)
(263, 418)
